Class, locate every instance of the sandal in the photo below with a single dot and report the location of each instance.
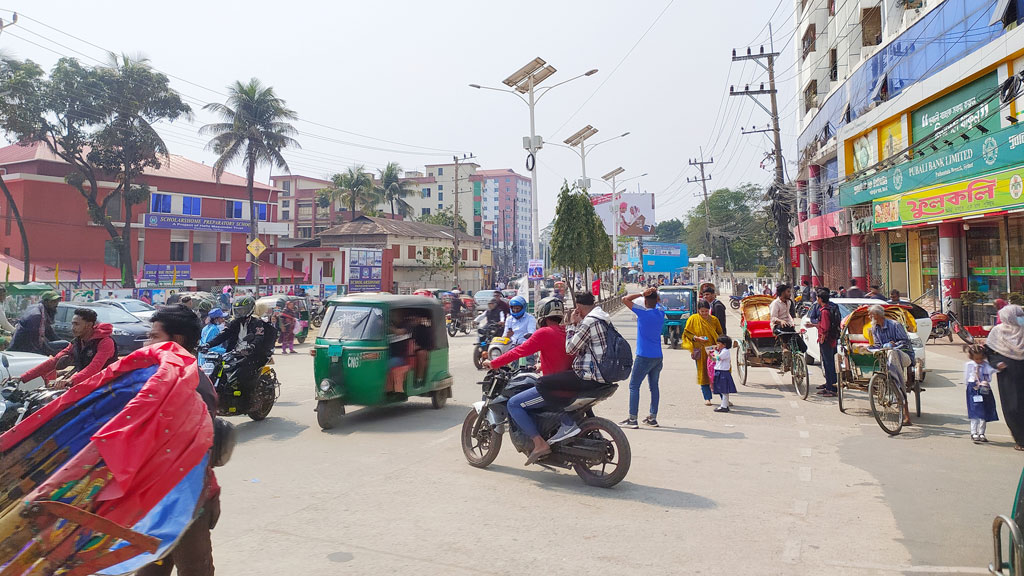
(827, 394)
(1019, 448)
(535, 456)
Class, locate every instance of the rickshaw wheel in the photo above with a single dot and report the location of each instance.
(799, 373)
(482, 449)
(438, 398)
(886, 403)
(741, 362)
(328, 412)
(840, 386)
(912, 378)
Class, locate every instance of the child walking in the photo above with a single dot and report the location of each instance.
(981, 404)
(722, 383)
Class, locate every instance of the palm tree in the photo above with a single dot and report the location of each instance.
(354, 187)
(254, 129)
(393, 189)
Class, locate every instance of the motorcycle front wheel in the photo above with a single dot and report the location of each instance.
(612, 468)
(478, 359)
(482, 448)
(453, 329)
(735, 304)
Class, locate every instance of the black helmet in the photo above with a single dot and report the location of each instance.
(549, 307)
(242, 306)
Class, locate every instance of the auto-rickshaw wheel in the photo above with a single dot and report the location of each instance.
(328, 412)
(300, 339)
(438, 398)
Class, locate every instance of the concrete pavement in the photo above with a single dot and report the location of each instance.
(778, 486)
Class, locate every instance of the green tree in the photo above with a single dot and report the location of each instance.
(353, 188)
(442, 218)
(393, 189)
(670, 231)
(578, 239)
(254, 128)
(738, 227)
(99, 121)
(436, 260)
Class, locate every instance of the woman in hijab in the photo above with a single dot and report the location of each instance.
(702, 330)
(1005, 347)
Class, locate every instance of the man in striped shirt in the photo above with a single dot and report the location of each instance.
(890, 334)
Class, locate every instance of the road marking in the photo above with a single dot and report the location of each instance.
(794, 404)
(911, 569)
(801, 420)
(806, 452)
(791, 553)
(800, 507)
(805, 434)
(805, 473)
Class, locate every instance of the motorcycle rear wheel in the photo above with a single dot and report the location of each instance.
(482, 449)
(453, 329)
(267, 393)
(618, 454)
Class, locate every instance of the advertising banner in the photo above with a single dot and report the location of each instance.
(825, 226)
(365, 267)
(998, 149)
(891, 139)
(634, 214)
(182, 222)
(664, 257)
(167, 273)
(926, 119)
(535, 269)
(988, 193)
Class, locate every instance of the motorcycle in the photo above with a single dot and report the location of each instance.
(17, 404)
(231, 398)
(316, 316)
(941, 326)
(734, 301)
(600, 454)
(483, 339)
(454, 325)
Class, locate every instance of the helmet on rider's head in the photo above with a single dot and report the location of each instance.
(242, 306)
(517, 302)
(550, 307)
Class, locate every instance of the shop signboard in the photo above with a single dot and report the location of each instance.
(183, 222)
(794, 256)
(987, 193)
(898, 252)
(981, 154)
(167, 273)
(829, 225)
(634, 213)
(937, 113)
(365, 266)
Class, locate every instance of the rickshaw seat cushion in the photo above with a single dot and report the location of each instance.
(858, 339)
(760, 329)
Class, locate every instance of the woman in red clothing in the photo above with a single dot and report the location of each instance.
(549, 340)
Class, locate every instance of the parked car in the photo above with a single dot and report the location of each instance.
(18, 364)
(136, 308)
(482, 298)
(130, 333)
(848, 305)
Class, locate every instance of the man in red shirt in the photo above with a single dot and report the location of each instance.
(828, 337)
(91, 350)
(549, 340)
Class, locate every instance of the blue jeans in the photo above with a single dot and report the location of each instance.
(706, 391)
(828, 362)
(520, 405)
(651, 368)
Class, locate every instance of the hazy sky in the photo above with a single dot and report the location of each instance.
(399, 71)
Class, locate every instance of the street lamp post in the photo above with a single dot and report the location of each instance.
(615, 220)
(524, 81)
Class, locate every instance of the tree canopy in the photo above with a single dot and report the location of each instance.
(443, 218)
(578, 239)
(738, 232)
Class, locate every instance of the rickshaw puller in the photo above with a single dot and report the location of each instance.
(890, 334)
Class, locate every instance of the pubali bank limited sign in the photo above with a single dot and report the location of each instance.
(988, 193)
(183, 222)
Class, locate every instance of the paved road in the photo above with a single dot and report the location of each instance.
(778, 486)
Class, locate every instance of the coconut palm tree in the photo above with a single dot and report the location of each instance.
(393, 189)
(254, 128)
(354, 187)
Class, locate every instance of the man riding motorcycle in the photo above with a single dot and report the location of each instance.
(252, 337)
(521, 323)
(35, 328)
(91, 350)
(548, 340)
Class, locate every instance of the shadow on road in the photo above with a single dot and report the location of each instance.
(747, 392)
(273, 428)
(709, 434)
(413, 416)
(571, 484)
(754, 411)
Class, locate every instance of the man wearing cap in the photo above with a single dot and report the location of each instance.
(35, 329)
(717, 307)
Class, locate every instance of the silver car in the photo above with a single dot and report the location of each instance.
(848, 305)
(136, 308)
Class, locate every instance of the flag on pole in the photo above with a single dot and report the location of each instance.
(293, 275)
(7, 277)
(33, 273)
(56, 275)
(332, 274)
(249, 277)
(235, 269)
(104, 276)
(278, 275)
(174, 275)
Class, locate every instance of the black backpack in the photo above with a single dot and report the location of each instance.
(617, 361)
(835, 318)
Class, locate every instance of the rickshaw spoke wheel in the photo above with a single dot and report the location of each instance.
(481, 448)
(612, 468)
(800, 376)
(886, 403)
(741, 362)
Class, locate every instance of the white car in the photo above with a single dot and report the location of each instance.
(848, 305)
(136, 308)
(17, 363)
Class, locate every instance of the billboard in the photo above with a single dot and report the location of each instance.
(634, 213)
(665, 258)
(365, 268)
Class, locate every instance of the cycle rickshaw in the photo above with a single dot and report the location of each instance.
(761, 347)
(862, 367)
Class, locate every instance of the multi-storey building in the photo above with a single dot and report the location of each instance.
(506, 202)
(297, 199)
(911, 163)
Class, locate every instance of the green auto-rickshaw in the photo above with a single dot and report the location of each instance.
(370, 342)
(301, 305)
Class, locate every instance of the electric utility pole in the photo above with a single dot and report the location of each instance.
(779, 209)
(707, 209)
(455, 220)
